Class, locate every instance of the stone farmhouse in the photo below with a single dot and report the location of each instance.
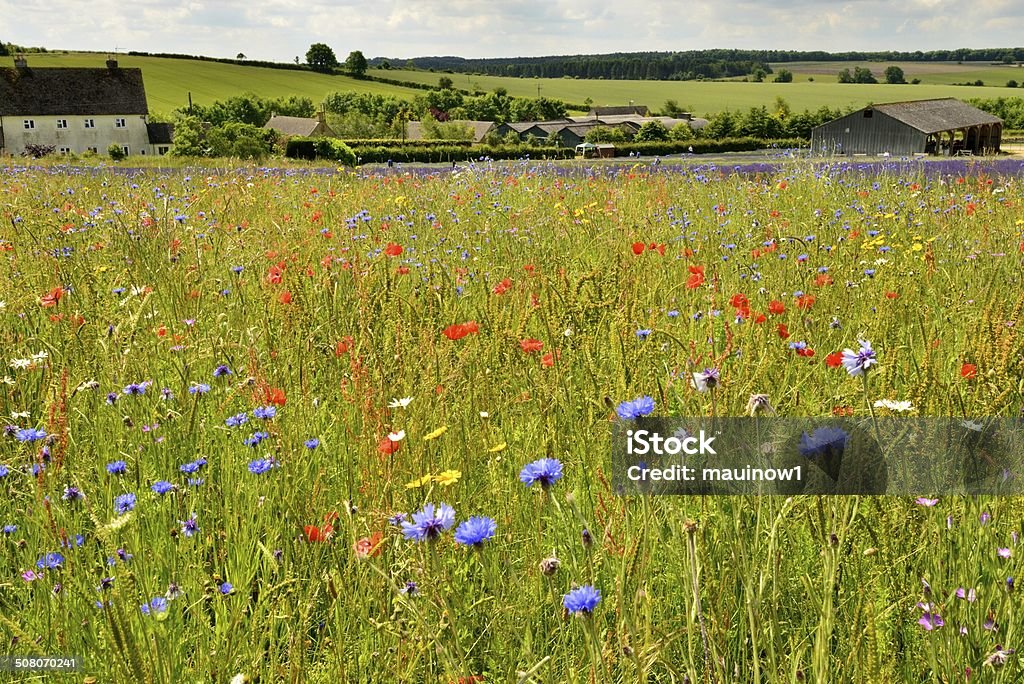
(77, 110)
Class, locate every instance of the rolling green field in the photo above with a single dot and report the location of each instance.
(708, 97)
(930, 73)
(168, 82)
(285, 426)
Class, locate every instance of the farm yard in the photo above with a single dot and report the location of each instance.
(323, 425)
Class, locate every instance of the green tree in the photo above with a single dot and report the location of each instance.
(241, 140)
(863, 75)
(189, 139)
(356, 64)
(3, 49)
(321, 57)
(1011, 83)
(894, 75)
(681, 131)
(845, 76)
(445, 83)
(599, 134)
(651, 131)
(758, 74)
(784, 76)
(721, 125)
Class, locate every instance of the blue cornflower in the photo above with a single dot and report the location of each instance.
(136, 388)
(237, 269)
(162, 487)
(4, 470)
(673, 313)
(547, 471)
(429, 523)
(705, 380)
(582, 600)
(261, 465)
(189, 527)
(157, 605)
(105, 583)
(72, 494)
(226, 588)
(869, 272)
(29, 435)
(312, 443)
(643, 333)
(256, 438)
(475, 531)
(858, 362)
(112, 398)
(10, 529)
(124, 503)
(628, 410)
(200, 388)
(73, 543)
(397, 519)
(189, 468)
(221, 371)
(237, 419)
(117, 467)
(195, 481)
(823, 442)
(51, 561)
(264, 412)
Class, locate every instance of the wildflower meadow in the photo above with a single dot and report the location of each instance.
(317, 425)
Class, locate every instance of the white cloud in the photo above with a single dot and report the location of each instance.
(280, 29)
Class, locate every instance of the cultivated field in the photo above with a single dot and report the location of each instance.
(168, 82)
(241, 402)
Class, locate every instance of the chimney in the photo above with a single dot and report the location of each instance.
(20, 62)
(111, 62)
(321, 115)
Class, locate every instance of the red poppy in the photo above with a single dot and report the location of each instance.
(274, 395)
(460, 330)
(402, 270)
(319, 534)
(52, 297)
(638, 248)
(387, 446)
(393, 250)
(276, 274)
(834, 360)
(842, 411)
(776, 307)
(760, 318)
(805, 301)
(823, 279)
(892, 295)
(739, 301)
(285, 297)
(968, 370)
(531, 345)
(696, 278)
(503, 286)
(659, 248)
(782, 330)
(548, 360)
(343, 346)
(369, 546)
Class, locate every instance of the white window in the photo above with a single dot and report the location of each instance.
(62, 123)
(29, 124)
(93, 150)
(90, 123)
(65, 150)
(163, 149)
(119, 123)
(124, 148)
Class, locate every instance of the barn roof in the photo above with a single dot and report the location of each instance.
(292, 125)
(933, 116)
(160, 133)
(74, 91)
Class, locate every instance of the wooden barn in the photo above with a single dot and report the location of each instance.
(943, 127)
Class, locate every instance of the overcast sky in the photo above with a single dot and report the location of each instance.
(281, 29)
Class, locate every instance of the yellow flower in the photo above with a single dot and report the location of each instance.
(436, 433)
(419, 482)
(497, 447)
(448, 477)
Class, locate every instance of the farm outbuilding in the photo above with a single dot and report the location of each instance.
(944, 127)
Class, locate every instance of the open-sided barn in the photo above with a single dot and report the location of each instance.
(945, 127)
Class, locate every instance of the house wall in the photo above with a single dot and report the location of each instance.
(76, 136)
(873, 135)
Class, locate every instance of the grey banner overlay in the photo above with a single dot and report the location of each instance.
(787, 456)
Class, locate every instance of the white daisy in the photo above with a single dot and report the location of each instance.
(897, 406)
(400, 403)
(396, 436)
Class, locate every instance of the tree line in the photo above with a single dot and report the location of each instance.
(685, 65)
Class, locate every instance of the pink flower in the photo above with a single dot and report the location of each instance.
(926, 502)
(1004, 553)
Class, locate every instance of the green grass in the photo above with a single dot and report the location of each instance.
(169, 81)
(347, 286)
(708, 97)
(930, 73)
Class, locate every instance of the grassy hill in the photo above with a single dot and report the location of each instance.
(712, 96)
(168, 81)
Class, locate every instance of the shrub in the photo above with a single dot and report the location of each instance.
(36, 151)
(116, 152)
